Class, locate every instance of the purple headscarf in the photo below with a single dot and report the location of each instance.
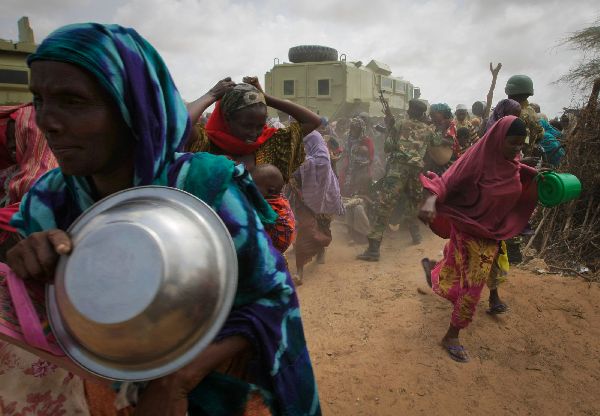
(503, 108)
(320, 187)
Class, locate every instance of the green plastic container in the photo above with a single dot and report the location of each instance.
(557, 188)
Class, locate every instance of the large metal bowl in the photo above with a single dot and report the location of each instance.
(149, 283)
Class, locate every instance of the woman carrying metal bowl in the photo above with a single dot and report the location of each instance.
(114, 119)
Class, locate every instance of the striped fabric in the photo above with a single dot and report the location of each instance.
(34, 157)
(283, 231)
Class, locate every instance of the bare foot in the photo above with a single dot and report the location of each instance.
(297, 280)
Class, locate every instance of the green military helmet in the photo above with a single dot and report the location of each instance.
(417, 105)
(519, 85)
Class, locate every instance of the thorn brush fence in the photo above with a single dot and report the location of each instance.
(567, 236)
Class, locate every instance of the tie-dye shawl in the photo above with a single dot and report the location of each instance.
(266, 309)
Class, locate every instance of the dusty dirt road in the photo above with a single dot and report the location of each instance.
(374, 340)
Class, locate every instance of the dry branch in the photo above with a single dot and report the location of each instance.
(568, 236)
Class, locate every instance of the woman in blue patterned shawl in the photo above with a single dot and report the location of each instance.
(553, 149)
(114, 119)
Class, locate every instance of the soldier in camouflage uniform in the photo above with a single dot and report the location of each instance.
(520, 88)
(405, 145)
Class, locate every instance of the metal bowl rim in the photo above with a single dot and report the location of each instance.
(83, 357)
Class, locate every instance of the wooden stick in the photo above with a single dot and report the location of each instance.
(593, 101)
(587, 211)
(549, 231)
(490, 96)
(570, 210)
(537, 230)
(566, 269)
(593, 220)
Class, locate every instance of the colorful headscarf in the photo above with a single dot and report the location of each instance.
(441, 108)
(266, 310)
(241, 96)
(217, 129)
(149, 102)
(502, 109)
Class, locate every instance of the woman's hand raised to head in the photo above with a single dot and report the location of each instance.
(36, 256)
(221, 88)
(254, 82)
(199, 106)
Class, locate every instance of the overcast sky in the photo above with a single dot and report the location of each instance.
(444, 47)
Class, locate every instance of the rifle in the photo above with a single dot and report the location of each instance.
(389, 117)
(384, 103)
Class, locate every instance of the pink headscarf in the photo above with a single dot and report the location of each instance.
(483, 194)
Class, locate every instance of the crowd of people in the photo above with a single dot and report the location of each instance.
(106, 116)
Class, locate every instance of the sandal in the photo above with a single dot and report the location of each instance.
(457, 353)
(497, 309)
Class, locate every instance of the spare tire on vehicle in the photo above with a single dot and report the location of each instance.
(312, 53)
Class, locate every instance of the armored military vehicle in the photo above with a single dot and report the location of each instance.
(14, 74)
(333, 87)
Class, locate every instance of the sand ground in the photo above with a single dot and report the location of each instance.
(373, 330)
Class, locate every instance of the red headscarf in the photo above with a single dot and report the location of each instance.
(482, 193)
(33, 159)
(219, 134)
